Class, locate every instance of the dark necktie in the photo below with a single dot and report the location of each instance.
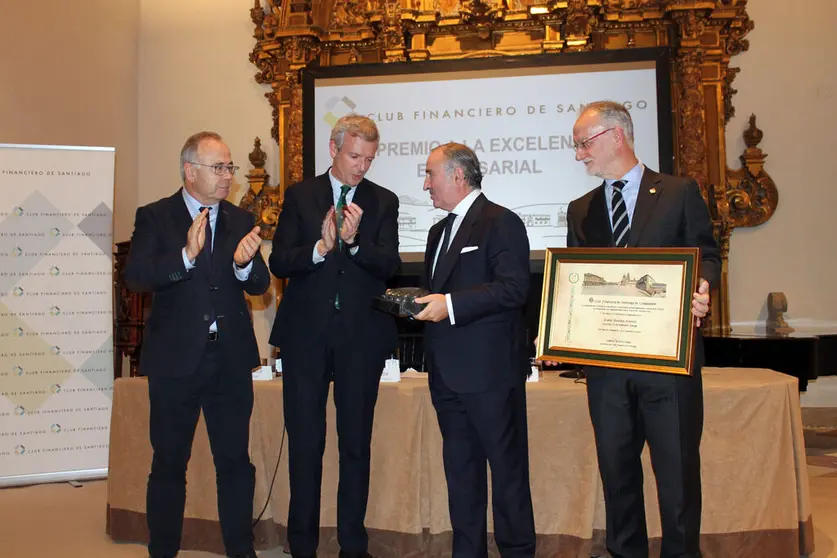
(206, 251)
(445, 240)
(619, 216)
(206, 255)
(338, 210)
(338, 213)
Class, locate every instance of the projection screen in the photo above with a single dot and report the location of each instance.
(516, 113)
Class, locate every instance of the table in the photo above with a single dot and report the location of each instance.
(755, 483)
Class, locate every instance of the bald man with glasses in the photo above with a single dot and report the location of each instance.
(198, 254)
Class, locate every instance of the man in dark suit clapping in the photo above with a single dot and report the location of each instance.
(198, 254)
(336, 242)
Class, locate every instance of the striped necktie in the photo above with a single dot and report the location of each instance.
(619, 216)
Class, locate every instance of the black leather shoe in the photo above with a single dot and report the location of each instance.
(344, 554)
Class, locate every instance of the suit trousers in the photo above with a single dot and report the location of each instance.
(356, 374)
(628, 407)
(226, 398)
(487, 427)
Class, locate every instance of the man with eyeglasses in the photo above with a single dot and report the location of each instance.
(638, 207)
(336, 242)
(198, 254)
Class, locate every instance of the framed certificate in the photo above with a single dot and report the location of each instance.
(619, 307)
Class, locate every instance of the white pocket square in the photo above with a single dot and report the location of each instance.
(468, 249)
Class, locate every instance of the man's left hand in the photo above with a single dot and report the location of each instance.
(436, 309)
(700, 301)
(351, 221)
(246, 249)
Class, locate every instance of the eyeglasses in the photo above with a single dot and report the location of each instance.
(219, 168)
(585, 144)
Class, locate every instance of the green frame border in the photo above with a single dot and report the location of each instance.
(689, 256)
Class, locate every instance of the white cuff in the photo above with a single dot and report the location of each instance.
(190, 264)
(242, 274)
(449, 302)
(316, 257)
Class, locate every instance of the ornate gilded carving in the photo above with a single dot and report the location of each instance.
(703, 34)
(482, 15)
(257, 15)
(578, 25)
(751, 193)
(261, 199)
(738, 30)
(391, 37)
(347, 13)
(294, 145)
(691, 129)
(728, 92)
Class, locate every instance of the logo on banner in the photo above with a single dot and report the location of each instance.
(55, 388)
(54, 311)
(18, 211)
(18, 291)
(17, 332)
(20, 411)
(18, 251)
(55, 349)
(54, 231)
(55, 428)
(54, 271)
(337, 107)
(20, 449)
(18, 370)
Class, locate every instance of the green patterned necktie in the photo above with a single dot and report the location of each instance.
(338, 210)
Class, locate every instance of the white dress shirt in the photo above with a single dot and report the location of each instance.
(460, 211)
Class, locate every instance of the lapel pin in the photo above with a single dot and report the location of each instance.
(652, 191)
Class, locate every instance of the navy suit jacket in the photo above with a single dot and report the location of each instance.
(175, 334)
(307, 306)
(486, 348)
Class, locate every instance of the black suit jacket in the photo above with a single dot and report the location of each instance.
(175, 333)
(307, 306)
(675, 215)
(486, 348)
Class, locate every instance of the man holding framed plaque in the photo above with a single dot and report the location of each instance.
(636, 207)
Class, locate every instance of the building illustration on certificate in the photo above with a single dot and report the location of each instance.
(627, 285)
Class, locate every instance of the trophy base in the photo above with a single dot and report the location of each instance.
(400, 302)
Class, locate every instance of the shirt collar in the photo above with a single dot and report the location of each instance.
(633, 177)
(465, 204)
(336, 185)
(194, 206)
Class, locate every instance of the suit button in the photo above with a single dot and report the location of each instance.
(206, 317)
(341, 271)
(213, 288)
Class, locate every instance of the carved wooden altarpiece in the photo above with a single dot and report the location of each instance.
(703, 36)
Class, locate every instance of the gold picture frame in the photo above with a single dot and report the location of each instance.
(627, 308)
